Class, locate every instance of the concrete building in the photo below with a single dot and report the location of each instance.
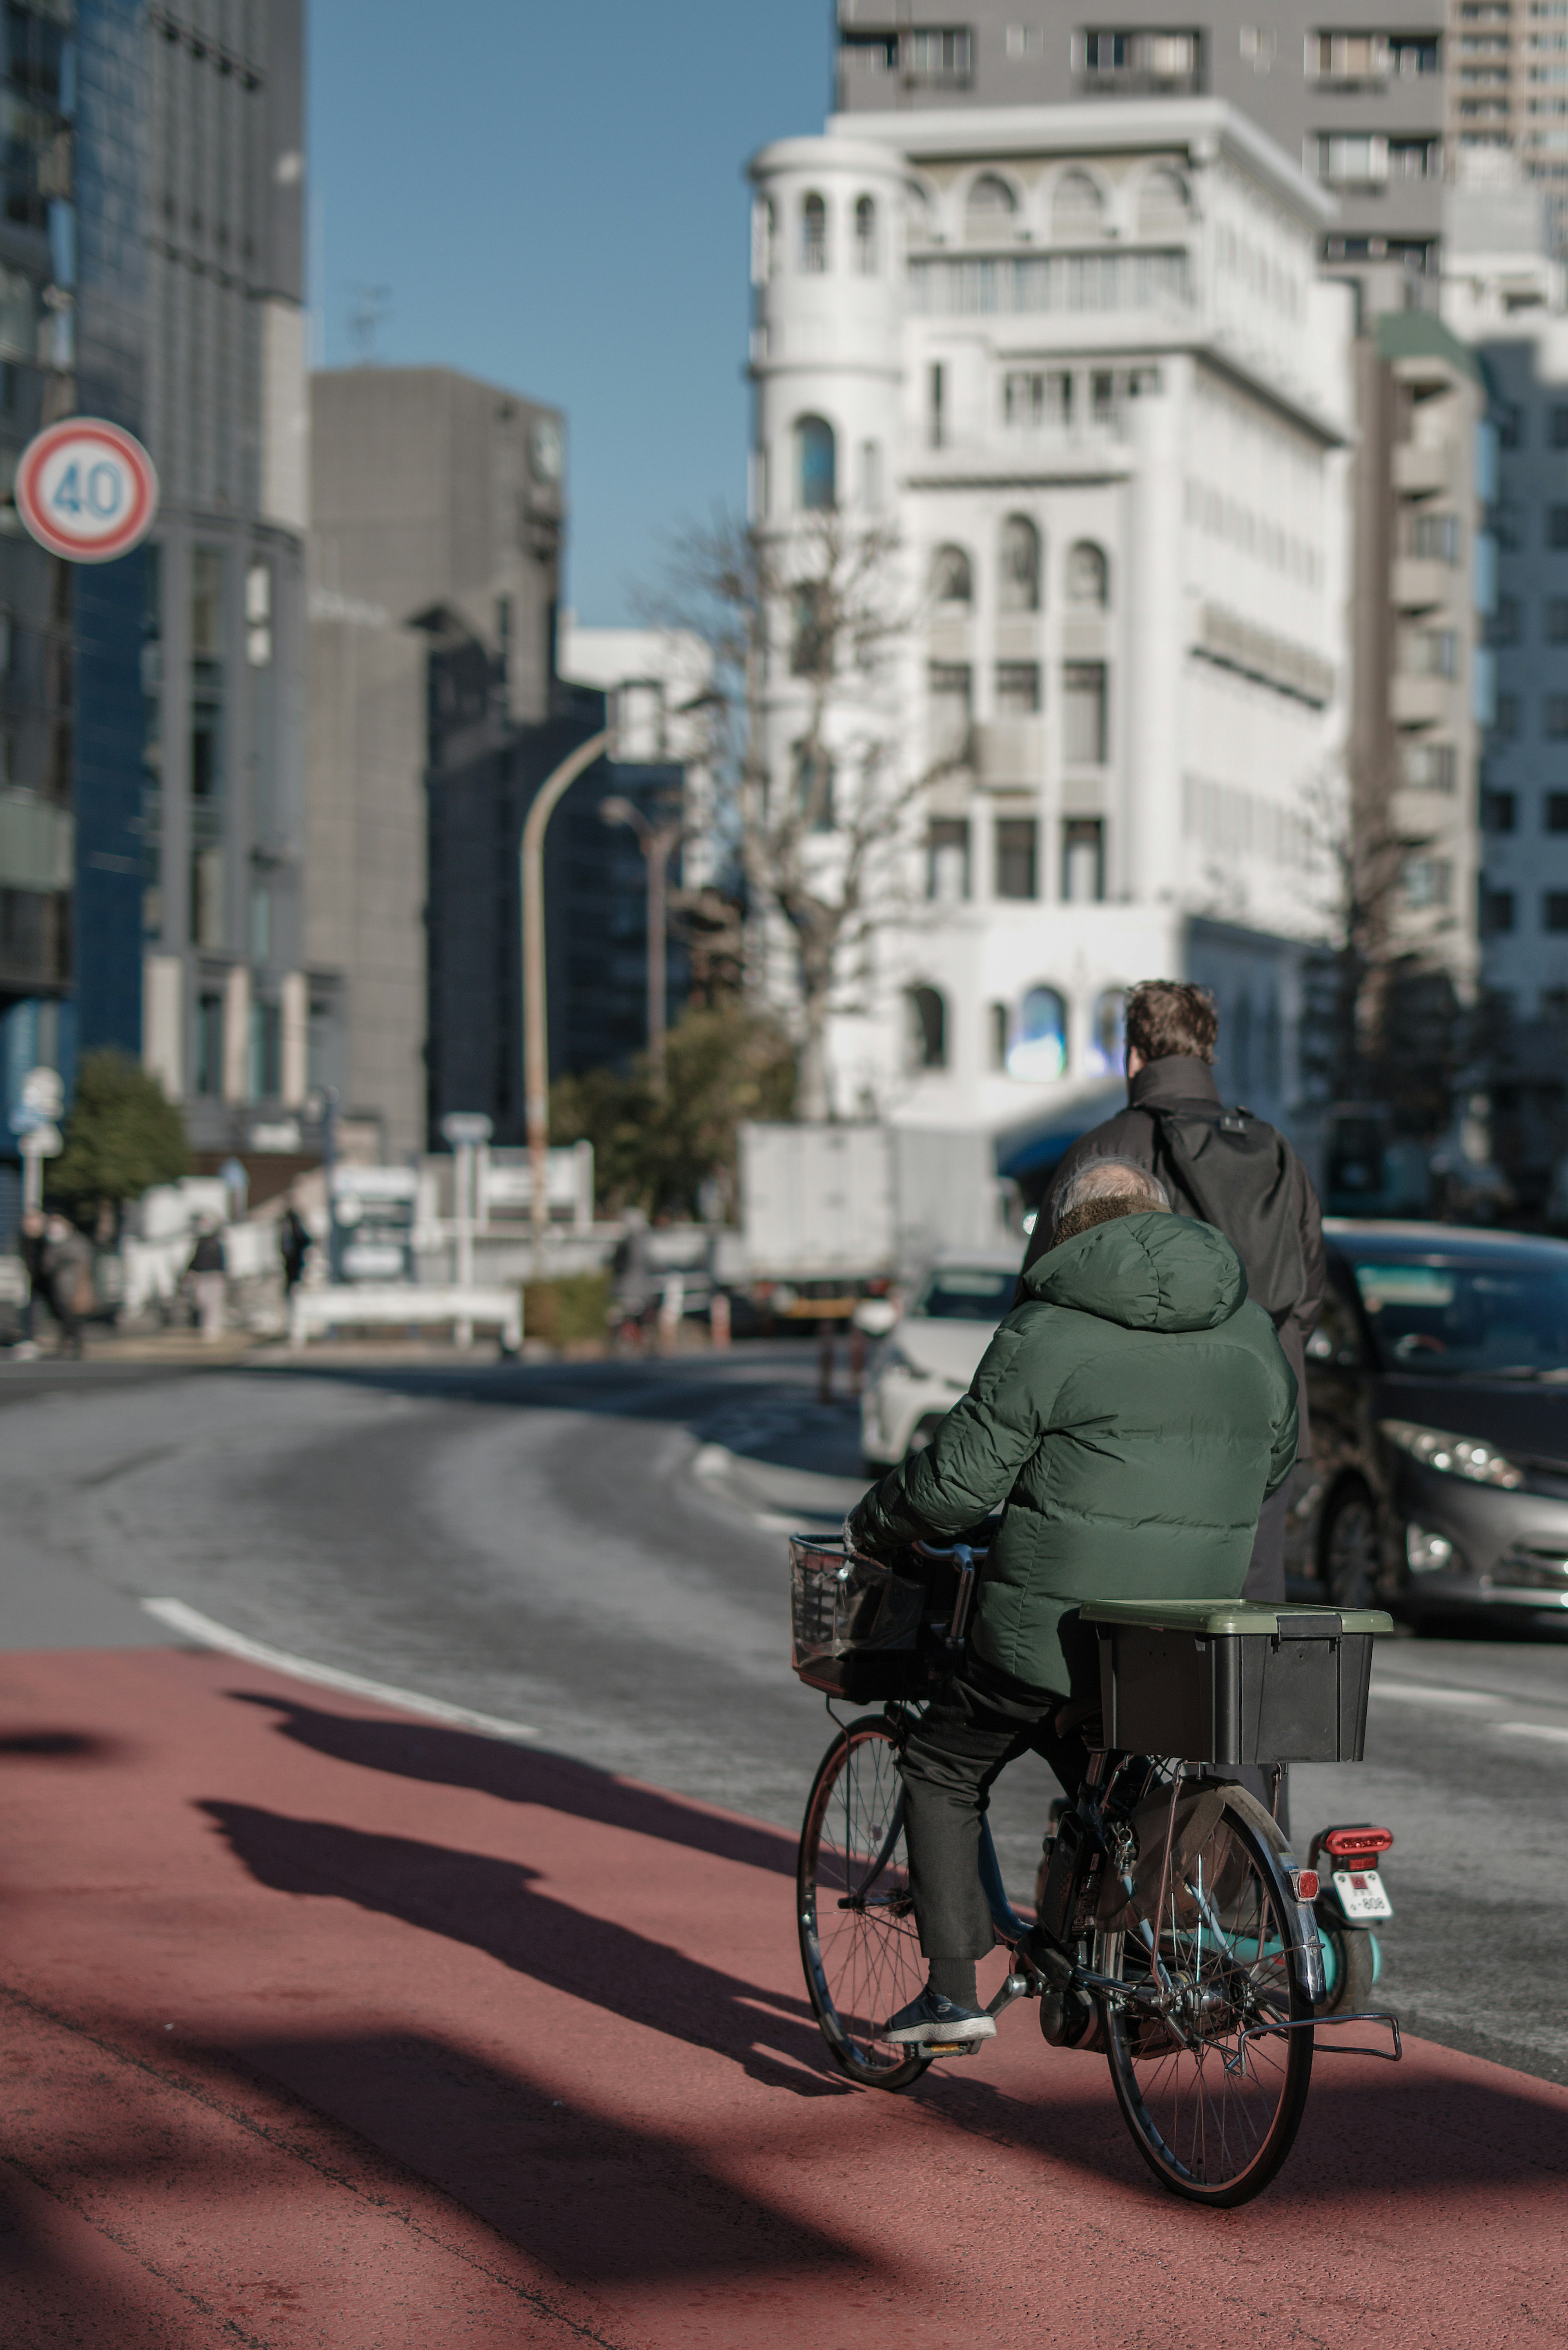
(1081, 360)
(438, 501)
(1360, 110)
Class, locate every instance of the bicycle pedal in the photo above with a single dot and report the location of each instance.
(952, 2047)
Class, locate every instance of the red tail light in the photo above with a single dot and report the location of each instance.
(1357, 1844)
(1303, 1884)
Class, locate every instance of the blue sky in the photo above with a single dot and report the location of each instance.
(551, 192)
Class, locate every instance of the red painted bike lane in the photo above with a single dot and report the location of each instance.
(324, 2025)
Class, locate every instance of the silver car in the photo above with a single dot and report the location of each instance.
(933, 1351)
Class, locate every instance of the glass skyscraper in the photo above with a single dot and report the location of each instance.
(152, 263)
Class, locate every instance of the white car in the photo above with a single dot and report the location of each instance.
(933, 1350)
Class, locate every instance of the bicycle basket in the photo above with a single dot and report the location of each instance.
(854, 1625)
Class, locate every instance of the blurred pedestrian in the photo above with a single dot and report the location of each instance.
(67, 1280)
(294, 1243)
(209, 1278)
(30, 1244)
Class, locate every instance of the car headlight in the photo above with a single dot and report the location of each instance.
(1426, 1552)
(1456, 1456)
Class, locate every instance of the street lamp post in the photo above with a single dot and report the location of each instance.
(535, 1033)
(656, 843)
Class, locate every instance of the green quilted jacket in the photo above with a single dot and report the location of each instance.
(1130, 1416)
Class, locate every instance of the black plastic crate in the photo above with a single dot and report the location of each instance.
(1220, 1681)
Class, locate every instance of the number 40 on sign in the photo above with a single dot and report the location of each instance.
(86, 490)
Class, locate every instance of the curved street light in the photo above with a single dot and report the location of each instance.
(535, 1033)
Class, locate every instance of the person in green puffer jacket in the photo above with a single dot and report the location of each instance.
(1129, 1418)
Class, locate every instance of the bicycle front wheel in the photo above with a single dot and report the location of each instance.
(1213, 2089)
(857, 1939)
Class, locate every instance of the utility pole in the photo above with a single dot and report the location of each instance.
(656, 842)
(536, 1032)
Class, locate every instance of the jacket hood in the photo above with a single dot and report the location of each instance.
(1155, 1272)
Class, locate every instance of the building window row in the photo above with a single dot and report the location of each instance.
(1500, 811)
(1499, 911)
(1368, 160)
(1087, 574)
(1027, 1038)
(1035, 400)
(815, 254)
(1015, 872)
(1077, 206)
(939, 57)
(1221, 515)
(1553, 717)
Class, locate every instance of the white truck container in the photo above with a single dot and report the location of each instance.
(858, 1203)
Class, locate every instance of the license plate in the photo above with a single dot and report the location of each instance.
(1361, 1893)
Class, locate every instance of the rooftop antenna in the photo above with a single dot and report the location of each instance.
(371, 305)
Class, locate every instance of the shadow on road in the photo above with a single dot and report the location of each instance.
(458, 1758)
(493, 1905)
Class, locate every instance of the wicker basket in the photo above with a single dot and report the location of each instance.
(855, 1625)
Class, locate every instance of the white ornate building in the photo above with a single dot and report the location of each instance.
(1081, 360)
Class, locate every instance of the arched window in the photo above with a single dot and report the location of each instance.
(1108, 1033)
(812, 235)
(919, 219)
(926, 1014)
(1018, 564)
(765, 241)
(1038, 1048)
(1078, 208)
(989, 208)
(952, 582)
(1088, 575)
(1162, 202)
(816, 466)
(866, 255)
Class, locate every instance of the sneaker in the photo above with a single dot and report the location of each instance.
(931, 2018)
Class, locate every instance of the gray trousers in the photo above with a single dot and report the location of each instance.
(977, 1724)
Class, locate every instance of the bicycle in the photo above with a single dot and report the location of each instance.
(1175, 1932)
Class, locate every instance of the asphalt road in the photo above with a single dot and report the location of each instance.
(596, 1552)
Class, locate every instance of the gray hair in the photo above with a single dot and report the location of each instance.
(1101, 1179)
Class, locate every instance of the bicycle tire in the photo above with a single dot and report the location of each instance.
(1215, 2120)
(859, 1945)
(1355, 1970)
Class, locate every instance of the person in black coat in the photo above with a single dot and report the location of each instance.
(1172, 1028)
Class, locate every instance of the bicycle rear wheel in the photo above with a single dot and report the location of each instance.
(857, 1939)
(1214, 2104)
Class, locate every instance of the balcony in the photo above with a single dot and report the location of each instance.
(1010, 754)
(1420, 700)
(1419, 584)
(1420, 467)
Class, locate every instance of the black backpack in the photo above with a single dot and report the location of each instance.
(1237, 1173)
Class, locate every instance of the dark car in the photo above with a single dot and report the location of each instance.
(1438, 1380)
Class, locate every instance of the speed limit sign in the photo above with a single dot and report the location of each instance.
(86, 490)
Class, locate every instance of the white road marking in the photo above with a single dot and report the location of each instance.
(199, 1627)
(1433, 1693)
(710, 1461)
(1532, 1730)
